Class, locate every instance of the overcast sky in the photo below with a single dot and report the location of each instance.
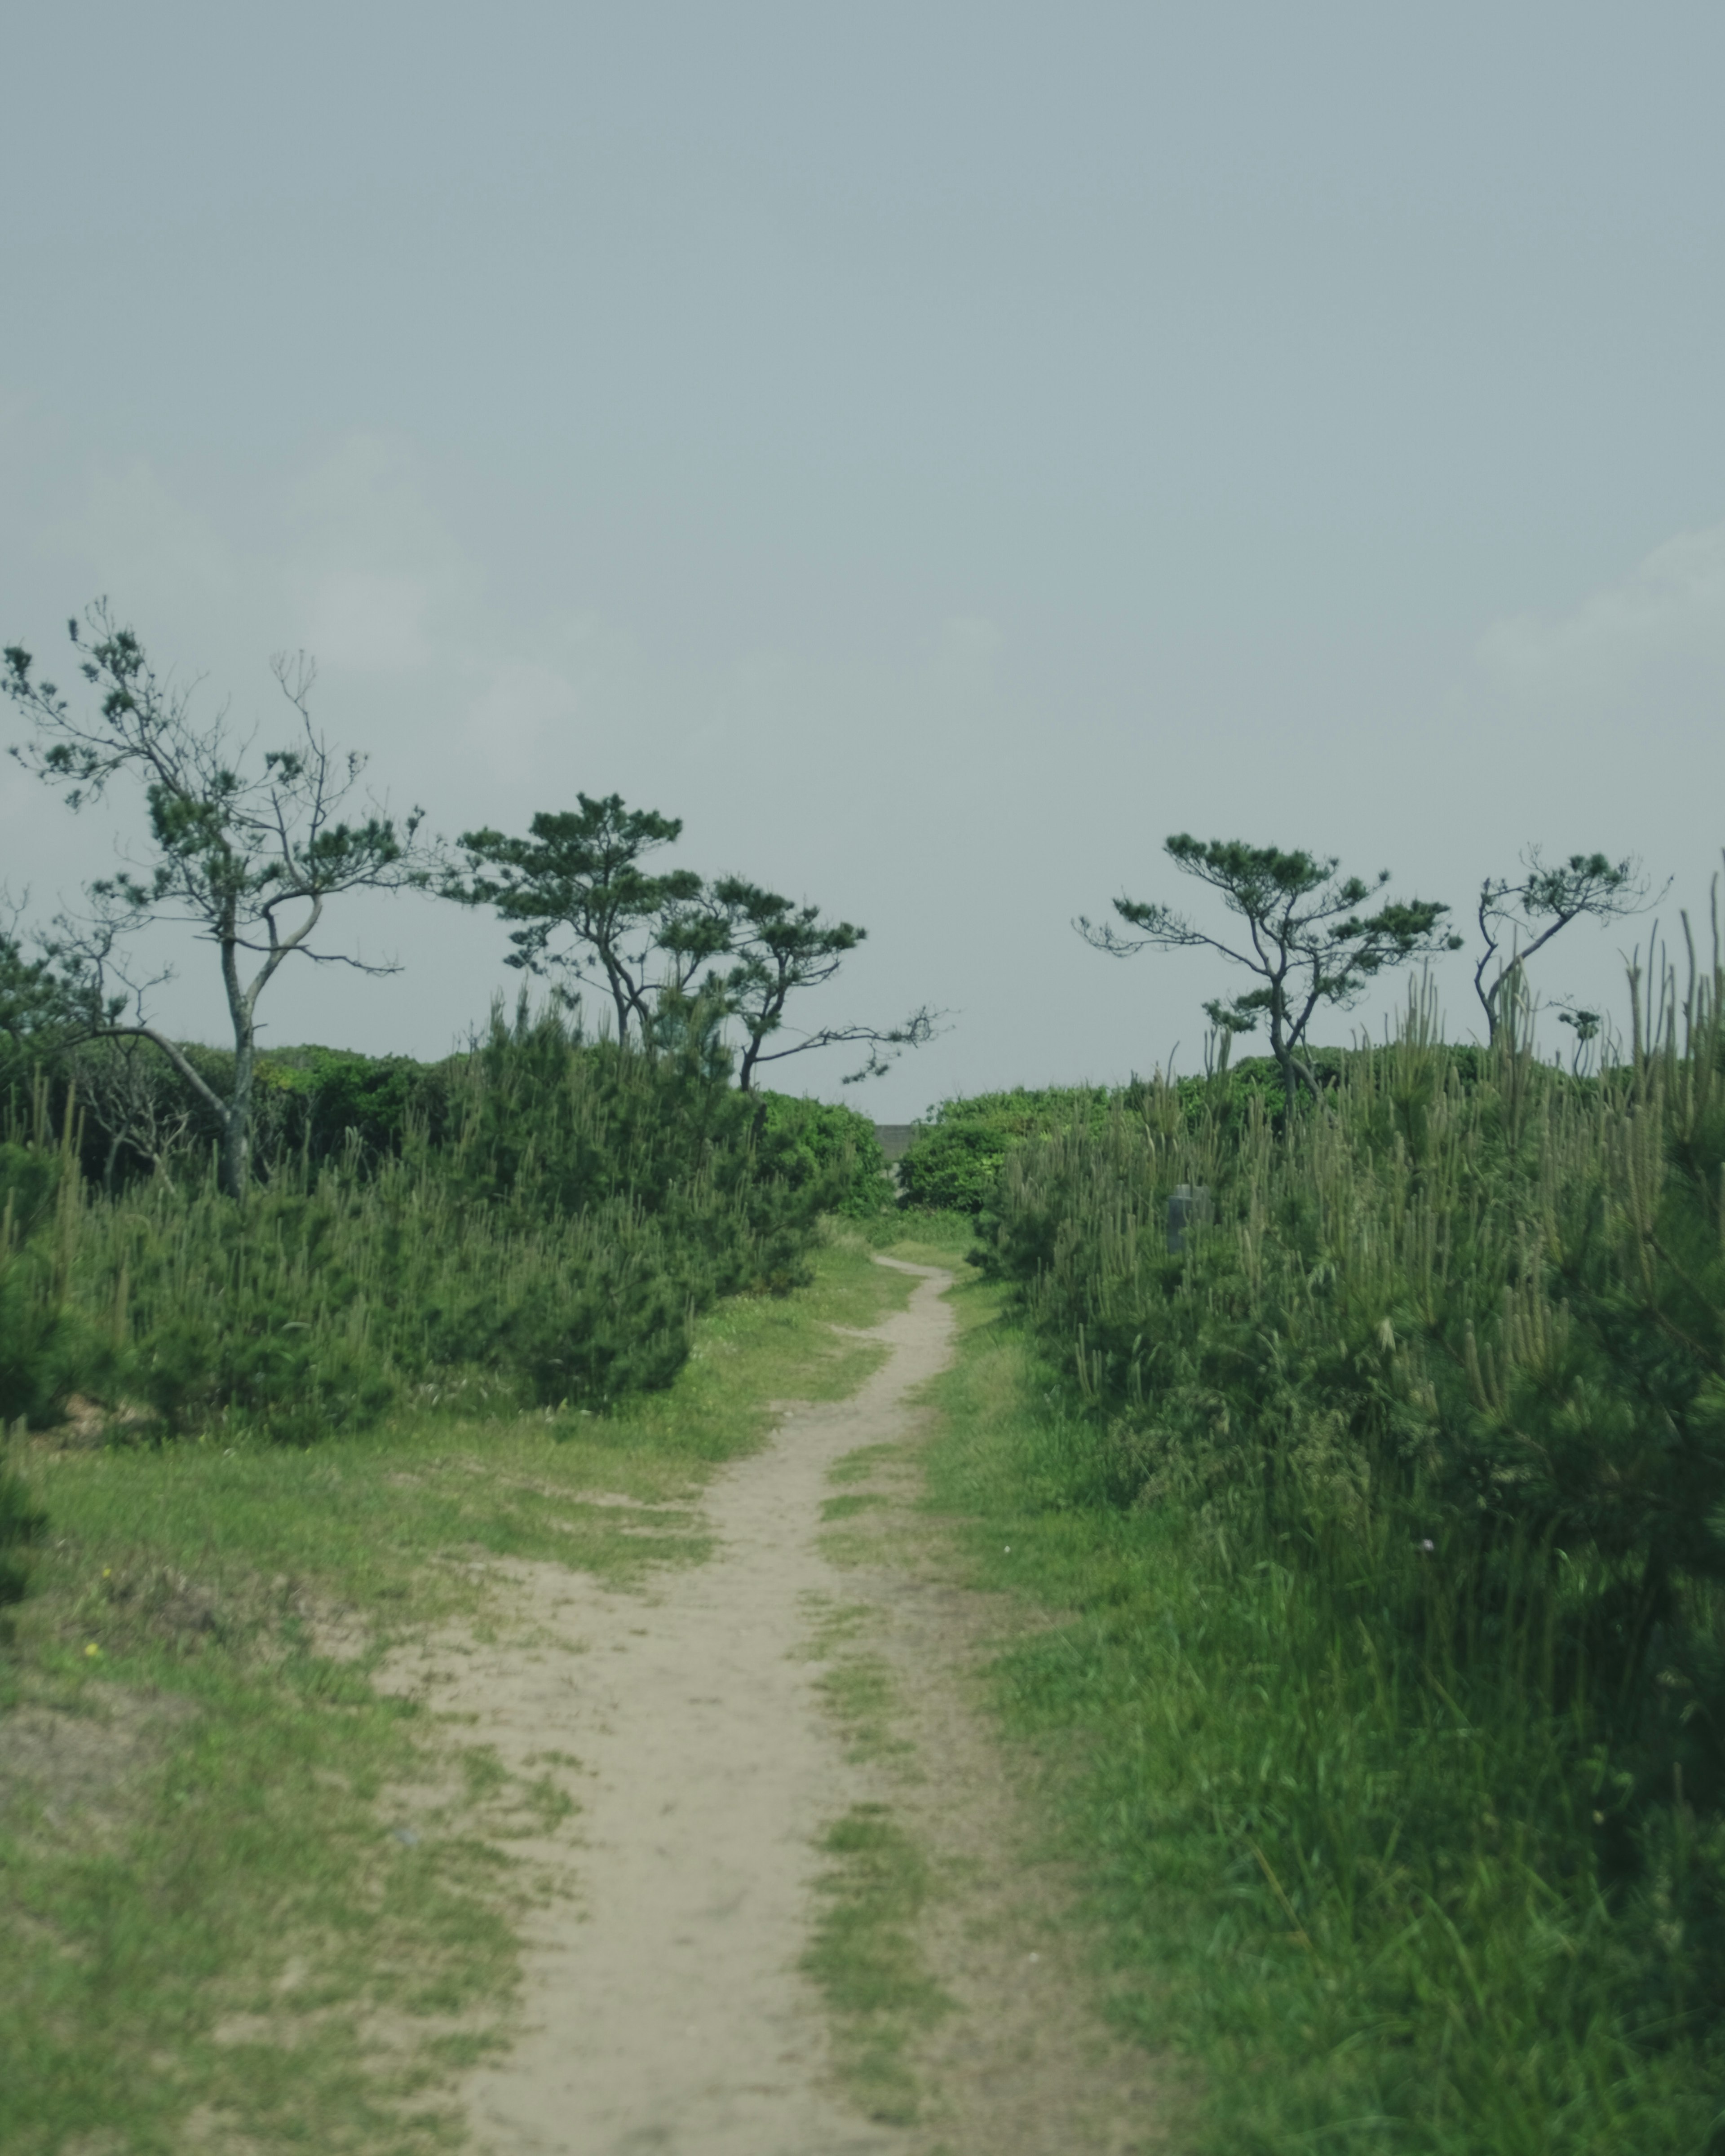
(936, 450)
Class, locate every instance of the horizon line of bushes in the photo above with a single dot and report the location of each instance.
(957, 1149)
(134, 1116)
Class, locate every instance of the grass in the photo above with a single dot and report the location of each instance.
(1356, 1948)
(864, 1953)
(865, 1957)
(928, 1239)
(222, 1931)
(847, 1507)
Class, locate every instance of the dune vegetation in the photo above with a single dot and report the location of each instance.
(1354, 1418)
(1370, 1448)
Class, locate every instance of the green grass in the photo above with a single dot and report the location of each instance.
(1340, 1915)
(927, 1237)
(220, 1927)
(864, 1953)
(865, 1957)
(848, 1506)
(859, 1465)
(858, 1690)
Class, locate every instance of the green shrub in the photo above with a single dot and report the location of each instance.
(43, 1344)
(835, 1153)
(22, 1522)
(956, 1156)
(556, 1229)
(33, 1355)
(956, 1153)
(322, 1102)
(1439, 1390)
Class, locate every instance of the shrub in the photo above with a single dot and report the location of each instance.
(42, 1343)
(557, 1228)
(1442, 1382)
(835, 1154)
(958, 1152)
(32, 1339)
(22, 1522)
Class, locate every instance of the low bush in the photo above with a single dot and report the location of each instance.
(835, 1150)
(956, 1156)
(957, 1150)
(22, 1522)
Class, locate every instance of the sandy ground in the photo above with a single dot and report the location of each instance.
(666, 2010)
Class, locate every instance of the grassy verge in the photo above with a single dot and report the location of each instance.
(927, 1237)
(1186, 1710)
(218, 1931)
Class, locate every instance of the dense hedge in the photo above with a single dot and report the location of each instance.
(957, 1150)
(833, 1147)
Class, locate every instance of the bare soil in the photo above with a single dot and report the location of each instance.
(666, 2010)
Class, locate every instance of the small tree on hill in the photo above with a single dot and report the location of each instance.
(587, 908)
(676, 956)
(780, 949)
(1527, 911)
(1304, 937)
(249, 860)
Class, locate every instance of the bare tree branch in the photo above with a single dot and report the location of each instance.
(248, 857)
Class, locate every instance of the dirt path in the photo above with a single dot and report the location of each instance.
(666, 2008)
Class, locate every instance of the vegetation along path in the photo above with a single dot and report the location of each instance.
(780, 1791)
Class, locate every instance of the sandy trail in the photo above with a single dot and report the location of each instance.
(666, 2012)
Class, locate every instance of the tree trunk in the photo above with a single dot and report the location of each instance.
(236, 1169)
(1284, 1055)
(751, 1055)
(237, 1120)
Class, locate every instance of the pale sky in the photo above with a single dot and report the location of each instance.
(936, 450)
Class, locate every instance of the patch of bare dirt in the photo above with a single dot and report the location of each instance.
(66, 1764)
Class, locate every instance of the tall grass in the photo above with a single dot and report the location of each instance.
(1430, 1424)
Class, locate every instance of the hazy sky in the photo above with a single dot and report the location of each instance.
(937, 450)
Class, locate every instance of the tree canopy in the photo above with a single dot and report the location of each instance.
(1527, 911)
(1304, 937)
(585, 905)
(671, 950)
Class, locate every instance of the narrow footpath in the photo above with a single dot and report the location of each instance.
(666, 2010)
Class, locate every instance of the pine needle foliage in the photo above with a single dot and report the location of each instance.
(550, 1244)
(1435, 1408)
